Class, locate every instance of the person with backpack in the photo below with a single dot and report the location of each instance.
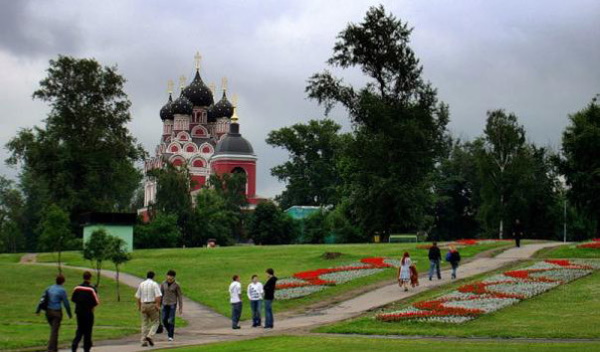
(453, 257)
(86, 299)
(435, 257)
(52, 301)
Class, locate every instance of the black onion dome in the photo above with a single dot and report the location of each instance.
(210, 117)
(223, 108)
(198, 93)
(234, 143)
(166, 112)
(182, 106)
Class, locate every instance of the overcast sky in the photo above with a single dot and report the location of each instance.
(538, 59)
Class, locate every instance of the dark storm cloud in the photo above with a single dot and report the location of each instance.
(537, 59)
(26, 32)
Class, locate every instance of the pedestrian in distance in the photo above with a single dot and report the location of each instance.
(148, 297)
(435, 257)
(86, 299)
(269, 289)
(255, 295)
(404, 271)
(52, 301)
(453, 257)
(172, 301)
(235, 291)
(518, 232)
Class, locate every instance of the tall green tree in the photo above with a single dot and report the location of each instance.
(161, 232)
(456, 194)
(83, 158)
(12, 217)
(580, 163)
(500, 162)
(399, 125)
(56, 234)
(310, 174)
(213, 218)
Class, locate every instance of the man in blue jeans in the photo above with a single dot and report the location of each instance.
(435, 257)
(269, 290)
(172, 298)
(235, 291)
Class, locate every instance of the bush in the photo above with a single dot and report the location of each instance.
(161, 232)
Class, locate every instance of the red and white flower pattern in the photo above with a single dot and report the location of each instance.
(494, 293)
(308, 282)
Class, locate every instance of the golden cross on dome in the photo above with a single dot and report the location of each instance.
(197, 59)
(234, 100)
(224, 83)
(170, 85)
(181, 81)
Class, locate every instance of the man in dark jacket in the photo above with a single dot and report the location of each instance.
(171, 299)
(518, 232)
(435, 256)
(269, 289)
(85, 299)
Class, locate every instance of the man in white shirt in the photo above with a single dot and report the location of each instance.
(235, 290)
(148, 301)
(255, 295)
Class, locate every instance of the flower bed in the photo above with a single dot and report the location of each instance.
(595, 244)
(496, 292)
(307, 282)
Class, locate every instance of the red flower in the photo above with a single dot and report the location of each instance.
(591, 245)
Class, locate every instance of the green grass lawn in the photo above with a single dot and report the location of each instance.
(568, 311)
(205, 274)
(360, 344)
(569, 251)
(20, 289)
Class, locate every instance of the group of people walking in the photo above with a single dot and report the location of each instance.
(258, 294)
(85, 298)
(153, 302)
(407, 272)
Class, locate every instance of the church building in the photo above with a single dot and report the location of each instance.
(202, 136)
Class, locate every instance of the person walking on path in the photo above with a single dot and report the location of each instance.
(453, 257)
(404, 271)
(269, 289)
(172, 298)
(435, 256)
(518, 232)
(86, 299)
(235, 291)
(255, 295)
(53, 298)
(148, 302)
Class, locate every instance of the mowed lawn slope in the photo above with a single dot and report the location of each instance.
(20, 289)
(568, 311)
(569, 251)
(361, 344)
(205, 274)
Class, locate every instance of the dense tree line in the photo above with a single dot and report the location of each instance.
(397, 170)
(401, 170)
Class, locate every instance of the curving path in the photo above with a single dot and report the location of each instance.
(205, 326)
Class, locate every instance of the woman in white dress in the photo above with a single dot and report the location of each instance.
(404, 271)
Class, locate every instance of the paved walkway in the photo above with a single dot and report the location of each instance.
(206, 326)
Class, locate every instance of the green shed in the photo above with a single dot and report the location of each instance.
(115, 224)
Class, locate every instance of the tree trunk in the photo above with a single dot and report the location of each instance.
(501, 231)
(118, 287)
(98, 269)
(59, 262)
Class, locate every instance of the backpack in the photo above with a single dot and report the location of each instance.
(448, 256)
(43, 305)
